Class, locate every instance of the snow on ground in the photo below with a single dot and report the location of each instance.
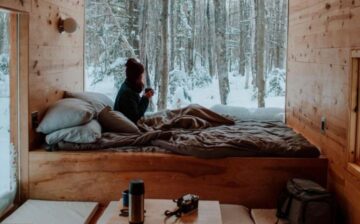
(207, 96)
(106, 86)
(239, 96)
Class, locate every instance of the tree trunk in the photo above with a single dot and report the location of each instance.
(210, 41)
(253, 42)
(260, 44)
(144, 30)
(243, 32)
(163, 90)
(173, 18)
(133, 28)
(222, 62)
(191, 40)
(148, 84)
(3, 33)
(283, 35)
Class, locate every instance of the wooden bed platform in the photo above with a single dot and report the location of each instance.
(101, 176)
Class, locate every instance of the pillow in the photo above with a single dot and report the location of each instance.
(115, 121)
(87, 133)
(66, 113)
(98, 100)
(248, 114)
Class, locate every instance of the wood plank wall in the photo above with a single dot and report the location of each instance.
(322, 34)
(16, 5)
(50, 62)
(56, 60)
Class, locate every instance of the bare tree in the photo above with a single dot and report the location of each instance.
(144, 30)
(163, 89)
(243, 33)
(173, 20)
(222, 62)
(210, 40)
(260, 43)
(133, 25)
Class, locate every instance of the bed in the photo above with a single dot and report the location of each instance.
(200, 132)
(191, 150)
(102, 175)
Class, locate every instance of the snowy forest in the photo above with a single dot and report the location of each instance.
(194, 51)
(5, 148)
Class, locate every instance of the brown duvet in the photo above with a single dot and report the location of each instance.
(200, 132)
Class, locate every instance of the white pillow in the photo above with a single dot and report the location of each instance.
(98, 100)
(66, 113)
(87, 133)
(248, 114)
(115, 121)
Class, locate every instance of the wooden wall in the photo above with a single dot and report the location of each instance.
(16, 5)
(322, 34)
(50, 62)
(56, 60)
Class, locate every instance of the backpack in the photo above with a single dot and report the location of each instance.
(305, 202)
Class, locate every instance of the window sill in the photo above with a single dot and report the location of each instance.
(354, 169)
(7, 212)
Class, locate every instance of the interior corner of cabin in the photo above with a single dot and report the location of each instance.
(187, 111)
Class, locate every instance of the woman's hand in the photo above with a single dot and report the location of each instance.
(149, 93)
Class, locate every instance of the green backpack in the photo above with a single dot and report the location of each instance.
(306, 202)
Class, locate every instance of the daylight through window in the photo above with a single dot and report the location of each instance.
(195, 51)
(8, 109)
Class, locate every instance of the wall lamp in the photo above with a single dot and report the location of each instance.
(68, 25)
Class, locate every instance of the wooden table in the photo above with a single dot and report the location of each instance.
(207, 213)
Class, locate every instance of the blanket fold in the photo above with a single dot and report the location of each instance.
(193, 116)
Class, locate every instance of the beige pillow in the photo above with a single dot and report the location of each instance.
(87, 133)
(66, 113)
(115, 121)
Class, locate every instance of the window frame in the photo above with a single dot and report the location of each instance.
(354, 115)
(19, 122)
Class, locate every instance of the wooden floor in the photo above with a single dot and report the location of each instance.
(102, 176)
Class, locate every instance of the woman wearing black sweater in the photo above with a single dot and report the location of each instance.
(128, 100)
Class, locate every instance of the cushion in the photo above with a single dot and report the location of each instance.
(55, 212)
(98, 100)
(115, 121)
(249, 114)
(109, 212)
(66, 113)
(266, 216)
(87, 133)
(235, 214)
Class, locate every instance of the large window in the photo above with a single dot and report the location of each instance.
(201, 51)
(8, 109)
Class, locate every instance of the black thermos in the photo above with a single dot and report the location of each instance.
(136, 202)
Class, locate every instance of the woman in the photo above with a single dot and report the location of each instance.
(128, 100)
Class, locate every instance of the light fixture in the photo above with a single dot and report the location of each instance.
(68, 25)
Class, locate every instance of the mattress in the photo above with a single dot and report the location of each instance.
(244, 138)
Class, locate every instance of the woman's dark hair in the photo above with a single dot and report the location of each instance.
(134, 70)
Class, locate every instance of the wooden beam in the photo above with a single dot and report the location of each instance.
(24, 104)
(354, 107)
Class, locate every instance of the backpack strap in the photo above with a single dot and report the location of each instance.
(283, 205)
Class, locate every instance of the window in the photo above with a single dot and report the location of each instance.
(233, 55)
(8, 109)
